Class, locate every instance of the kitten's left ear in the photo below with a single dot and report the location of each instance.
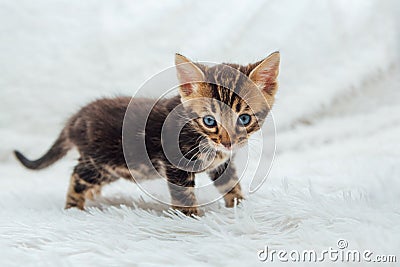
(265, 75)
(189, 75)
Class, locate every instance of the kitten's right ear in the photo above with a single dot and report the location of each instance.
(188, 75)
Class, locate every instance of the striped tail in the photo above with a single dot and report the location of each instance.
(58, 150)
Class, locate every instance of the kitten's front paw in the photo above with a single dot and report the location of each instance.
(74, 205)
(188, 211)
(231, 197)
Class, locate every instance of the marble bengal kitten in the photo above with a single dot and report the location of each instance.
(235, 101)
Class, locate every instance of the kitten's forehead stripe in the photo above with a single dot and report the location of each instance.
(232, 97)
(238, 107)
(215, 92)
(226, 84)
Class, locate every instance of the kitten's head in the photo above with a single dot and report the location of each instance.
(228, 102)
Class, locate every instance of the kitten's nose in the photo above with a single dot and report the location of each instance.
(225, 139)
(226, 144)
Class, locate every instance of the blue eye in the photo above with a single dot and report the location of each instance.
(209, 121)
(244, 119)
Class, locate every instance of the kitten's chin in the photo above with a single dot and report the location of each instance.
(240, 145)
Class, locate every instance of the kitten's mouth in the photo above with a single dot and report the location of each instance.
(231, 149)
(227, 150)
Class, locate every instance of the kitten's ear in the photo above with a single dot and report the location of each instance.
(188, 75)
(265, 75)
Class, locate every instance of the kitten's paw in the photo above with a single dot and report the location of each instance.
(188, 211)
(231, 198)
(74, 205)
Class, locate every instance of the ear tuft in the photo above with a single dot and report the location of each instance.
(180, 59)
(188, 74)
(265, 75)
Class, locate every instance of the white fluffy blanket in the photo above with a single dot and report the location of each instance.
(336, 173)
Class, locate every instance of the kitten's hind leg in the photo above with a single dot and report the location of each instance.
(85, 180)
(77, 192)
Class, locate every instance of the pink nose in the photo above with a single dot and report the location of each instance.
(226, 144)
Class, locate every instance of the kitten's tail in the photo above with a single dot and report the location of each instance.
(58, 150)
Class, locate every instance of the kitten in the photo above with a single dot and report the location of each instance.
(216, 99)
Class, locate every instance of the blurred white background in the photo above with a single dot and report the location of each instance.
(337, 112)
(58, 55)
